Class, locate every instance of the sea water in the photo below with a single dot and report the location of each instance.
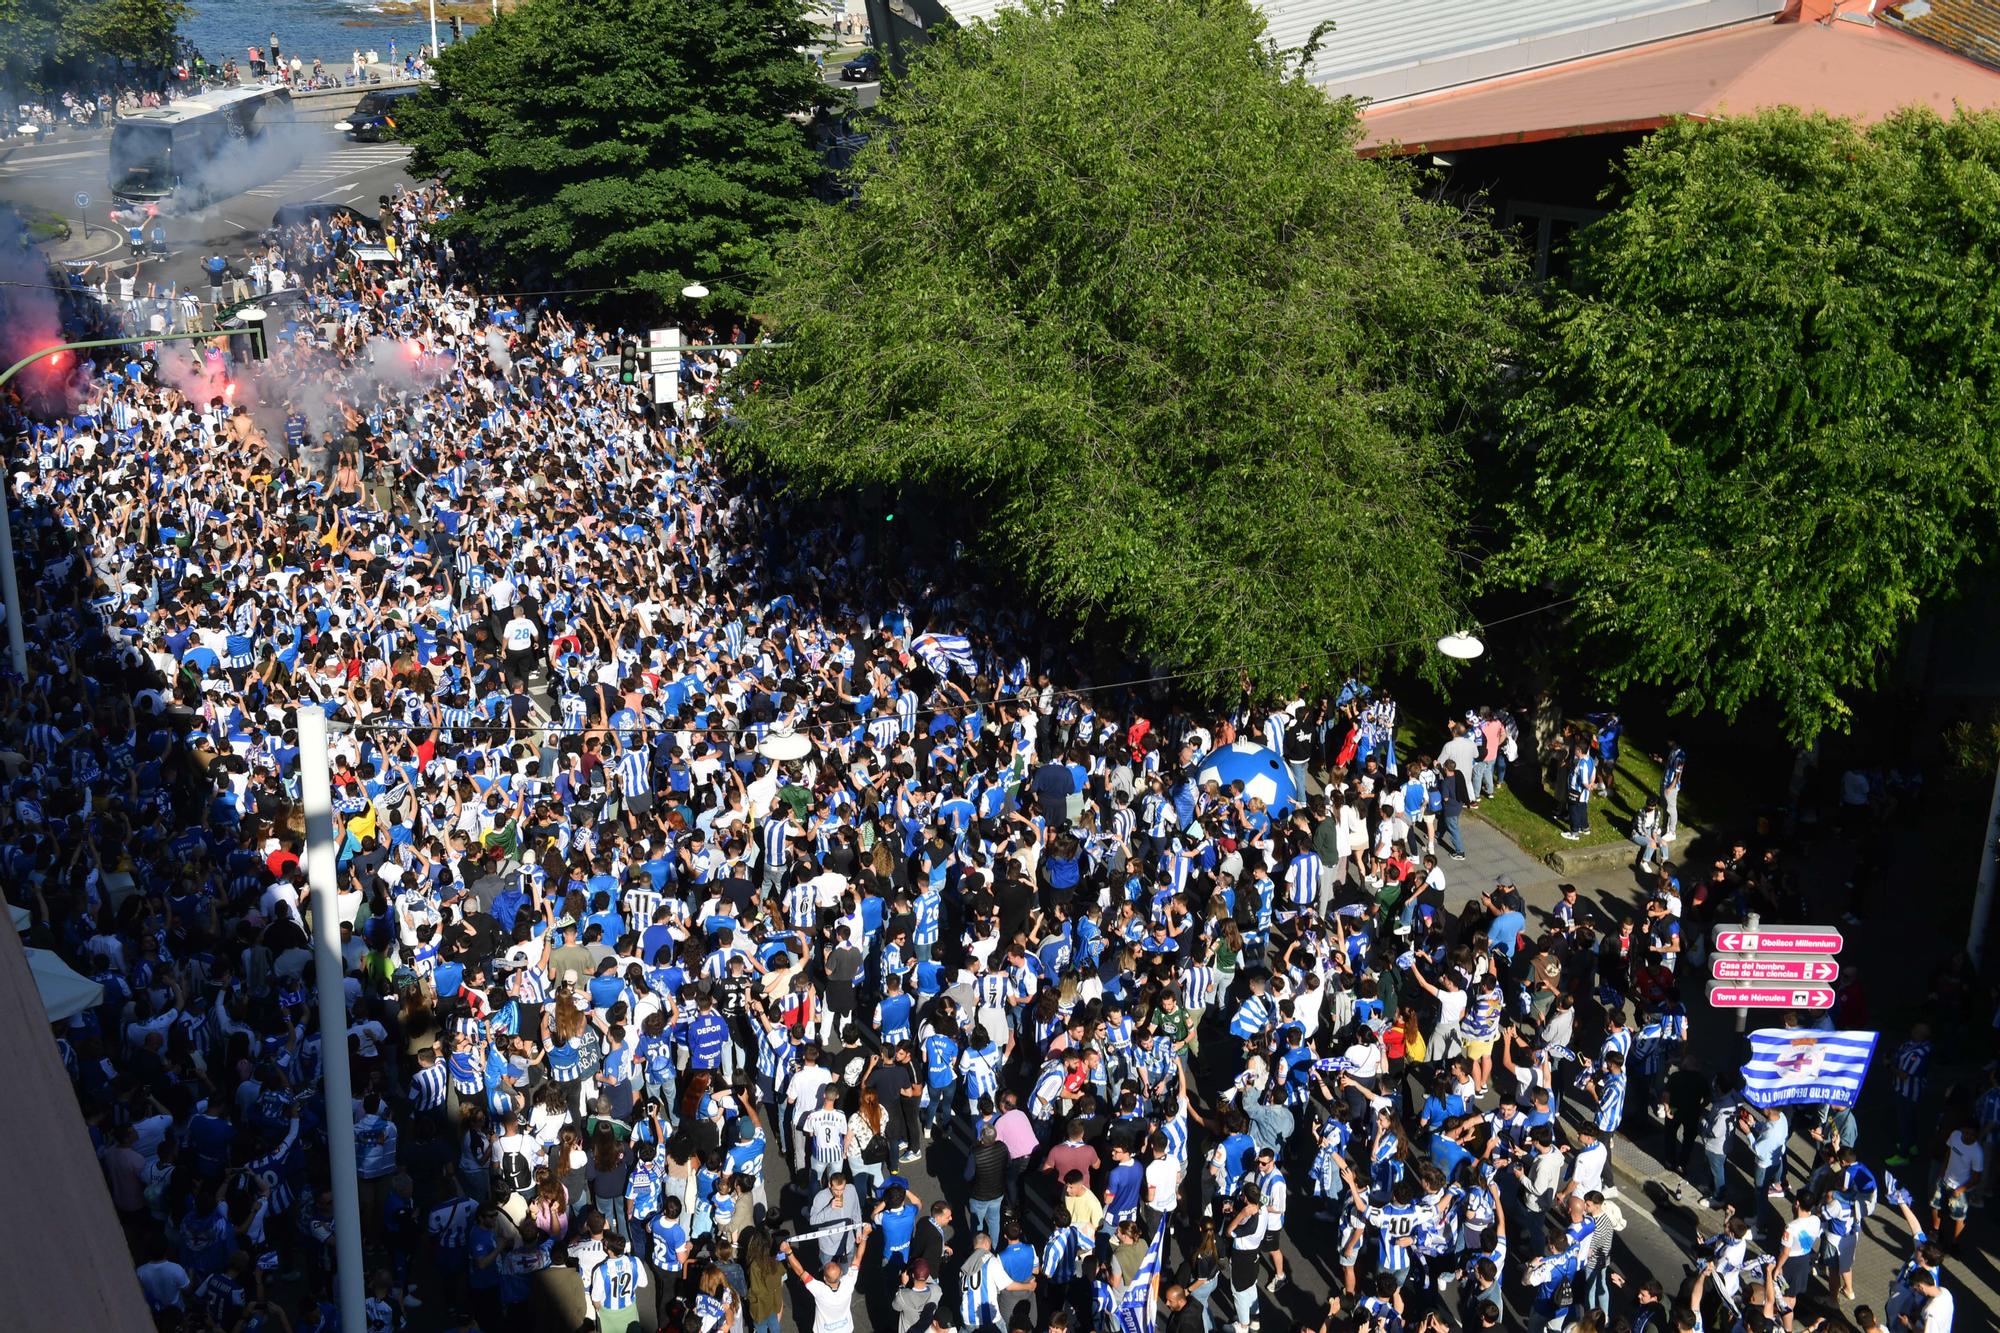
(329, 29)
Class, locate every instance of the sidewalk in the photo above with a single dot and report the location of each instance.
(1897, 951)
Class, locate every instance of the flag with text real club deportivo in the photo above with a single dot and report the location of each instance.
(1136, 1304)
(1793, 1067)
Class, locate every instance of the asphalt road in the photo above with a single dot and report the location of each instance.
(864, 93)
(331, 169)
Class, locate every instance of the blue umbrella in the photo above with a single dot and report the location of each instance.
(1261, 771)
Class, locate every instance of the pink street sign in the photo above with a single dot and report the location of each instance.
(1723, 995)
(1777, 939)
(1728, 967)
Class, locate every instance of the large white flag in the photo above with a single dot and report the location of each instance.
(1792, 1066)
(1138, 1304)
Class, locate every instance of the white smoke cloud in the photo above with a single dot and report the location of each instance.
(496, 347)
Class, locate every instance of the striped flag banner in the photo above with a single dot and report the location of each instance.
(941, 652)
(1139, 1302)
(1791, 1067)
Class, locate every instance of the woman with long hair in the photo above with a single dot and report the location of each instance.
(562, 1030)
(1202, 1271)
(694, 1094)
(549, 1208)
(1227, 959)
(568, 1161)
(764, 1276)
(475, 1153)
(868, 1148)
(607, 1175)
(714, 1306)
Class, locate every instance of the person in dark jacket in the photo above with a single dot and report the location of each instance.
(986, 1169)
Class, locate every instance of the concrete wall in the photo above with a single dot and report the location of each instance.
(331, 104)
(63, 1260)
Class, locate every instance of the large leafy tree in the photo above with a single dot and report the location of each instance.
(1115, 276)
(140, 32)
(638, 144)
(50, 41)
(1764, 432)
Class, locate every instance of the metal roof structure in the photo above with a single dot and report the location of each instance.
(188, 108)
(1855, 69)
(1382, 50)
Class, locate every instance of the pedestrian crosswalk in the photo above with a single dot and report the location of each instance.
(348, 160)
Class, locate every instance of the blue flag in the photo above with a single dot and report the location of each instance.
(1789, 1067)
(1136, 1305)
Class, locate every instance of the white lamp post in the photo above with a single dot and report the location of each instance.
(316, 795)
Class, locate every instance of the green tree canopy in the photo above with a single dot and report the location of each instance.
(50, 41)
(640, 143)
(1116, 272)
(1764, 430)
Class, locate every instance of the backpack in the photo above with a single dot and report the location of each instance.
(517, 1173)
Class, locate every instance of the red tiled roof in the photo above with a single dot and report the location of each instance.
(1845, 68)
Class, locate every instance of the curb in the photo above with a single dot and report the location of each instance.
(114, 241)
(1622, 854)
(1602, 856)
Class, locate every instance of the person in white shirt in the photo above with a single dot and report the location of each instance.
(1938, 1305)
(802, 1098)
(1586, 1166)
(1965, 1164)
(161, 1280)
(833, 1290)
(518, 638)
(1163, 1179)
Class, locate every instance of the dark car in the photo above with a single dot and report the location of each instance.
(305, 214)
(374, 117)
(864, 68)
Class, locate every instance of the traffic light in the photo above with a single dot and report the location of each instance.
(628, 363)
(457, 28)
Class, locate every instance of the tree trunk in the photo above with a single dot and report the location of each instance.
(1541, 730)
(1545, 732)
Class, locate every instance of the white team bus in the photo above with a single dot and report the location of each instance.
(203, 148)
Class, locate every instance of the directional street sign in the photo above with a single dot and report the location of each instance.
(664, 363)
(1727, 967)
(1729, 995)
(82, 199)
(1777, 939)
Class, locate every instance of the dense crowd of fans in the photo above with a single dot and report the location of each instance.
(719, 909)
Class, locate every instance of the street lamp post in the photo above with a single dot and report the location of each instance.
(432, 5)
(316, 795)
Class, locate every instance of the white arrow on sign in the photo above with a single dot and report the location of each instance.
(1724, 967)
(1724, 995)
(1778, 939)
